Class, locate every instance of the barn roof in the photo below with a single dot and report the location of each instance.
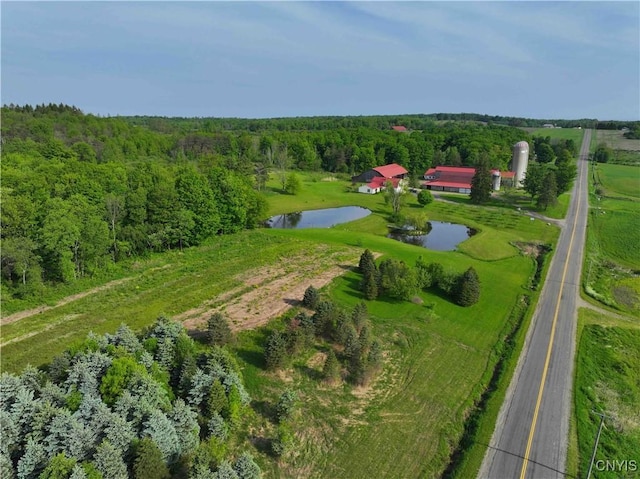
(399, 128)
(389, 171)
(379, 182)
(449, 184)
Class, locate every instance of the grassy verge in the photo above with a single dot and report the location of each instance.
(606, 382)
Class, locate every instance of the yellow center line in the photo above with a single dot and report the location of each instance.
(532, 431)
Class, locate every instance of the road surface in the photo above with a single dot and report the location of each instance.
(531, 435)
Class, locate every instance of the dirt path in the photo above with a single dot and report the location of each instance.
(69, 299)
(585, 304)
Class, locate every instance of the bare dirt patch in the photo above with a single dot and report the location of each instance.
(268, 292)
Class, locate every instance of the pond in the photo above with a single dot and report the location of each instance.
(439, 236)
(318, 218)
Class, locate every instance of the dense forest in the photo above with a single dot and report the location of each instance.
(119, 405)
(80, 192)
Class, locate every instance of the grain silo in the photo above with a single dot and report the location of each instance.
(495, 180)
(519, 161)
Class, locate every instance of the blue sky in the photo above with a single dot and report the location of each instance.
(272, 59)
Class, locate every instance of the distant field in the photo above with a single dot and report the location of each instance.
(616, 140)
(607, 365)
(625, 151)
(560, 133)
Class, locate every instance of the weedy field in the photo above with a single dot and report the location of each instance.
(625, 151)
(607, 366)
(613, 238)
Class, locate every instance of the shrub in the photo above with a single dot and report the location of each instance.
(311, 298)
(425, 197)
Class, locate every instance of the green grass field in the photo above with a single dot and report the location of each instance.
(560, 133)
(440, 357)
(607, 366)
(613, 238)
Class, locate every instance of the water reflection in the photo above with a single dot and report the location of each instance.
(324, 218)
(437, 236)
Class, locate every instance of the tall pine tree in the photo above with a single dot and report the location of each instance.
(481, 182)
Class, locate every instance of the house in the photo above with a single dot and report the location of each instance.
(399, 128)
(387, 171)
(457, 179)
(378, 184)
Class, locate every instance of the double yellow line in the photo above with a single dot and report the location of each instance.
(532, 430)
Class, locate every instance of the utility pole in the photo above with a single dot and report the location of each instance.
(595, 444)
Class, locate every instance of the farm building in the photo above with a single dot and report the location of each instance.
(457, 179)
(399, 128)
(387, 171)
(377, 184)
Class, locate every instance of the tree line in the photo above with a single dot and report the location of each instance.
(80, 191)
(396, 279)
(121, 405)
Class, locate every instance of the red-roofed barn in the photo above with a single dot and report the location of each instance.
(375, 178)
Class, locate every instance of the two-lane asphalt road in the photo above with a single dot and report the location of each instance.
(531, 435)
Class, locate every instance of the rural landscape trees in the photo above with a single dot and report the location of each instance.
(125, 406)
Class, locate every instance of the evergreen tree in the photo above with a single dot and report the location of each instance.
(185, 423)
(467, 288)
(234, 408)
(481, 184)
(311, 298)
(351, 343)
(78, 472)
(549, 193)
(367, 262)
(217, 427)
(359, 316)
(331, 369)
(283, 442)
(109, 462)
(374, 359)
(370, 285)
(7, 470)
(246, 468)
(163, 433)
(225, 471)
(218, 330)
(32, 461)
(276, 350)
(286, 405)
(217, 401)
(148, 463)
